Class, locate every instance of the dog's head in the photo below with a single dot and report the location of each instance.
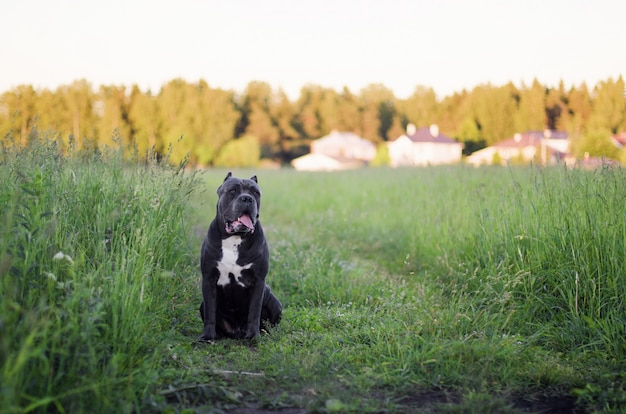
(239, 204)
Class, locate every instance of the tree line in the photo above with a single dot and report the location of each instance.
(212, 126)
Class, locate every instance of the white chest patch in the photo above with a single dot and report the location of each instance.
(228, 265)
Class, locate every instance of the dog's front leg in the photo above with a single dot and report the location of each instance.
(209, 309)
(254, 312)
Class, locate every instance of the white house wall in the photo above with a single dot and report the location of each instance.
(404, 152)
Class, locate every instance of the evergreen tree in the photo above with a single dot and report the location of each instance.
(20, 115)
(420, 109)
(609, 107)
(145, 122)
(396, 130)
(177, 105)
(291, 143)
(308, 107)
(556, 108)
(258, 100)
(531, 113)
(78, 116)
(111, 107)
(348, 112)
(494, 111)
(214, 124)
(49, 108)
(579, 110)
(377, 110)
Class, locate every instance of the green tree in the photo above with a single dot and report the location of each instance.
(19, 109)
(177, 105)
(579, 111)
(291, 143)
(596, 143)
(349, 117)
(609, 107)
(468, 130)
(196, 120)
(214, 125)
(242, 152)
(329, 110)
(531, 113)
(111, 107)
(257, 118)
(451, 112)
(469, 134)
(557, 113)
(494, 111)
(421, 108)
(77, 112)
(382, 155)
(49, 109)
(396, 130)
(308, 108)
(145, 121)
(377, 111)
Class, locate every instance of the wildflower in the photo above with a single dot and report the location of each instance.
(63, 256)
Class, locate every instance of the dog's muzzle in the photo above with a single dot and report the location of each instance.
(244, 221)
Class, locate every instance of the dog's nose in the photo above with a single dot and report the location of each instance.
(246, 198)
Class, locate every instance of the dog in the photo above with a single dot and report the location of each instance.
(234, 260)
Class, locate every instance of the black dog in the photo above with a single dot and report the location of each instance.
(234, 262)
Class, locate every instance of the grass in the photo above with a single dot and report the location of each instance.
(447, 289)
(90, 248)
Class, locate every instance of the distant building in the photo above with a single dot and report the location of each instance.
(423, 146)
(545, 147)
(619, 139)
(336, 151)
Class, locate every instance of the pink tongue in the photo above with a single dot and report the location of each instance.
(246, 221)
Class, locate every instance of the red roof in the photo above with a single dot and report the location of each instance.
(530, 139)
(425, 135)
(620, 138)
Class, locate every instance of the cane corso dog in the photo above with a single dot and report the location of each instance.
(234, 261)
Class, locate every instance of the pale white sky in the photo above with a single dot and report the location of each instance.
(444, 44)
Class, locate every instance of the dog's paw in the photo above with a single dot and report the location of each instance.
(250, 335)
(206, 339)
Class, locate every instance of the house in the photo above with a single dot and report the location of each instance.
(323, 162)
(423, 146)
(336, 151)
(546, 147)
(619, 140)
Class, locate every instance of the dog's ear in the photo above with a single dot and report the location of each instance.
(230, 174)
(253, 178)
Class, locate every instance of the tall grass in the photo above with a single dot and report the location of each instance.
(551, 257)
(522, 251)
(91, 249)
(483, 287)
(465, 276)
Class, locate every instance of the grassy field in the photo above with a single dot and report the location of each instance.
(446, 289)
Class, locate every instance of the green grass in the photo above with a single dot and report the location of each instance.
(91, 249)
(447, 289)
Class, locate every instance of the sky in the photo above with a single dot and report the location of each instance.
(447, 45)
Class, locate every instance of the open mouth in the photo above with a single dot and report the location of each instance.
(241, 225)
